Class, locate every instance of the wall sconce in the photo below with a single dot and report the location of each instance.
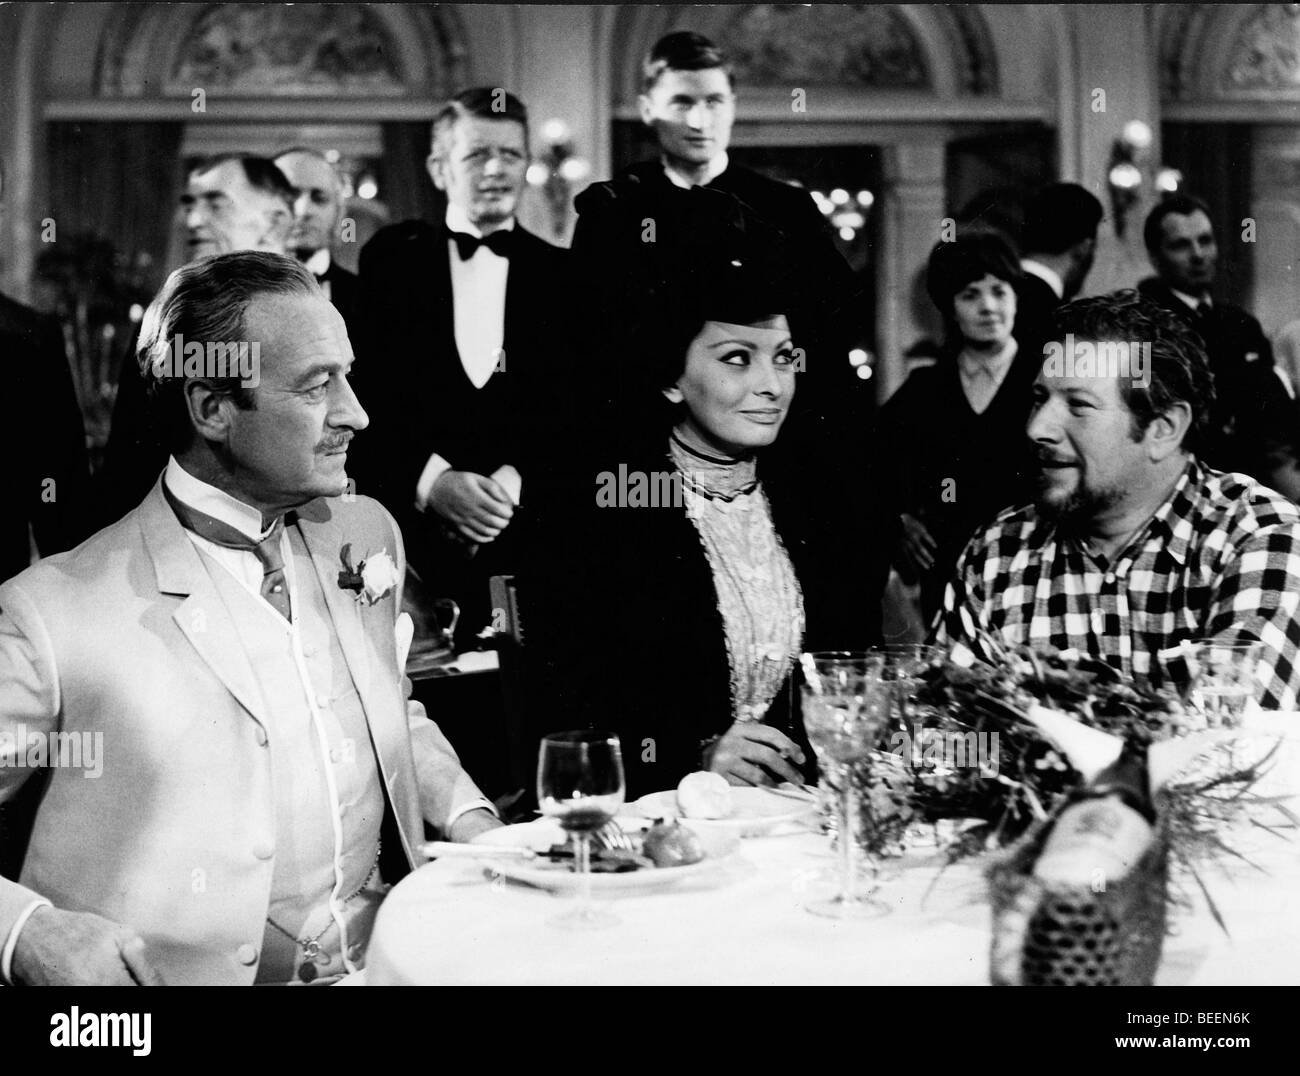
(556, 171)
(1128, 173)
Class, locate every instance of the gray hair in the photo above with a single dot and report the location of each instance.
(207, 301)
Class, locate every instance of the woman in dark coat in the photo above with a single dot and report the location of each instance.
(955, 431)
(711, 558)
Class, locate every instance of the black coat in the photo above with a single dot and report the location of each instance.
(620, 261)
(1252, 413)
(42, 441)
(627, 621)
(410, 379)
(1036, 302)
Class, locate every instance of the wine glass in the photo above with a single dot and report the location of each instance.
(903, 665)
(1224, 681)
(846, 705)
(580, 784)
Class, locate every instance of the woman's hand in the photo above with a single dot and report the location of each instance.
(751, 753)
(915, 544)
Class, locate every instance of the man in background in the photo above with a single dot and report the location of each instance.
(317, 210)
(42, 441)
(1253, 416)
(462, 352)
(1058, 244)
(231, 203)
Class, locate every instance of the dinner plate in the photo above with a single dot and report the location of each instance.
(544, 832)
(756, 811)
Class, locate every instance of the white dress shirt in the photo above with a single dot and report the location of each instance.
(319, 264)
(478, 296)
(1046, 274)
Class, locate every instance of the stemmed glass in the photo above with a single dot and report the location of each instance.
(846, 706)
(903, 665)
(1224, 681)
(580, 784)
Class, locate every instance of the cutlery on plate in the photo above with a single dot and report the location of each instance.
(445, 849)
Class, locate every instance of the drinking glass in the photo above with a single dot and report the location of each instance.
(580, 784)
(846, 704)
(903, 665)
(1224, 681)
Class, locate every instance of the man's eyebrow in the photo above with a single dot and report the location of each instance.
(315, 370)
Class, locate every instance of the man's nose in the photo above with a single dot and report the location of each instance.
(696, 115)
(494, 166)
(301, 206)
(1043, 425)
(348, 410)
(194, 216)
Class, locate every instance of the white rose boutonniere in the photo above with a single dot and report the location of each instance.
(373, 579)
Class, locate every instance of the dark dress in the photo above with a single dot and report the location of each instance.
(630, 629)
(955, 469)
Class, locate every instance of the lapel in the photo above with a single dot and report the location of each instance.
(202, 617)
(324, 540)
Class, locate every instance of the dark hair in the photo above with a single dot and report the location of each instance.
(1182, 204)
(485, 102)
(1180, 369)
(682, 50)
(261, 173)
(966, 259)
(1058, 216)
(207, 301)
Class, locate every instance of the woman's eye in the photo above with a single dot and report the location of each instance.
(783, 358)
(736, 358)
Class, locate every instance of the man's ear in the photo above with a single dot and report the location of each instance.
(645, 108)
(279, 224)
(209, 410)
(1165, 434)
(433, 165)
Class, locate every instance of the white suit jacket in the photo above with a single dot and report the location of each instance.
(127, 636)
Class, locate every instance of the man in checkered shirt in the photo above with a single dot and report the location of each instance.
(1134, 548)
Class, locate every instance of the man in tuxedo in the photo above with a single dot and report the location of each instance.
(463, 347)
(233, 202)
(317, 209)
(1059, 243)
(226, 663)
(43, 442)
(1253, 417)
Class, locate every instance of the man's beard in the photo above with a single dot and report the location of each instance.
(1082, 506)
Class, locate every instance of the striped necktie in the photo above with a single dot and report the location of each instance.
(275, 586)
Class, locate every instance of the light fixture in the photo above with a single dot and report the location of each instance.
(556, 171)
(1129, 170)
(366, 187)
(846, 213)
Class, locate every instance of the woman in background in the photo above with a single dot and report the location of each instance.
(955, 431)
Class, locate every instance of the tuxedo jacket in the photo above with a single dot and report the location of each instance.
(1252, 414)
(410, 379)
(128, 636)
(345, 294)
(1036, 302)
(42, 441)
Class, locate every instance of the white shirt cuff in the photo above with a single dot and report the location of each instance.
(473, 805)
(11, 943)
(433, 470)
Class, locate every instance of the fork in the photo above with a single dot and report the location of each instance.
(612, 836)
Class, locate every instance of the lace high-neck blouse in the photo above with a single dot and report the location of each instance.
(757, 592)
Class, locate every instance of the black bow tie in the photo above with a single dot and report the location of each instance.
(499, 242)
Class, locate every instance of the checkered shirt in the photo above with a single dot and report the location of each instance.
(1219, 561)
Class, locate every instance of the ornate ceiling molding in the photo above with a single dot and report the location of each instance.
(1216, 55)
(254, 51)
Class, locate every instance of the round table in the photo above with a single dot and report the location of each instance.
(743, 923)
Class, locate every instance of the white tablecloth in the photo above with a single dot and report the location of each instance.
(744, 923)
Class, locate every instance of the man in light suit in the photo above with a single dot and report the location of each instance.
(232, 668)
